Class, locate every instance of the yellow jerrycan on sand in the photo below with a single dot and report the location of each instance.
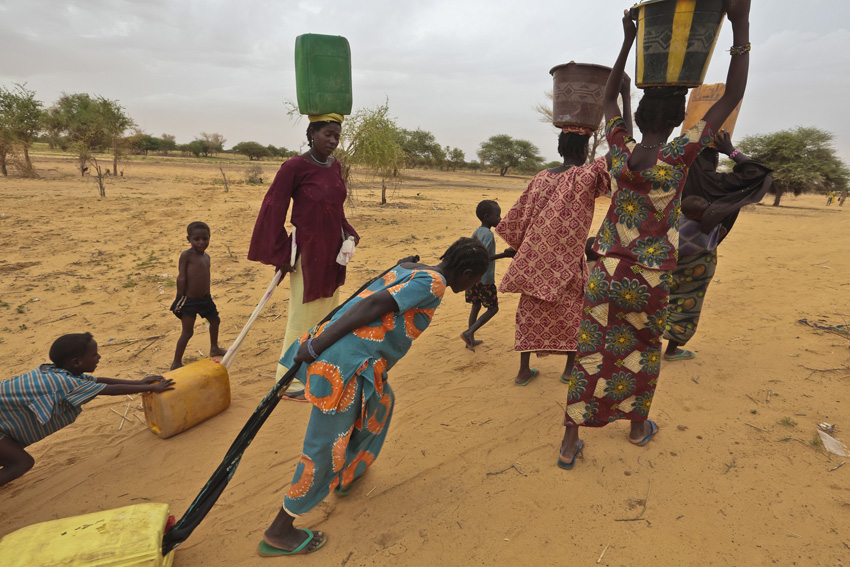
(127, 537)
(201, 391)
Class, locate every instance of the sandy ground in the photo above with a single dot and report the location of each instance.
(468, 474)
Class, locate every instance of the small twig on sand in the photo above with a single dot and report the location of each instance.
(645, 504)
(144, 347)
(506, 470)
(730, 466)
(371, 491)
(695, 379)
(63, 317)
(127, 341)
(792, 534)
(142, 421)
(601, 555)
(754, 427)
(767, 399)
(845, 367)
(753, 399)
(344, 561)
(837, 467)
(123, 417)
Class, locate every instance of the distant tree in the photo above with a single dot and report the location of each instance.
(195, 147)
(802, 159)
(420, 148)
(21, 120)
(146, 143)
(5, 147)
(254, 150)
(115, 123)
(454, 158)
(213, 143)
(504, 152)
(168, 143)
(370, 138)
(76, 119)
(275, 152)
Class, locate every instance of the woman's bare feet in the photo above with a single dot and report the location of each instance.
(217, 351)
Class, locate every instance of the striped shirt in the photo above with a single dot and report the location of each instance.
(43, 401)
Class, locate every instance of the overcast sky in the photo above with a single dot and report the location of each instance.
(463, 70)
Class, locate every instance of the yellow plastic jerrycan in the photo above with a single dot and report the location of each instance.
(201, 391)
(128, 536)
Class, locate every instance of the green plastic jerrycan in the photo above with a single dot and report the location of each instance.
(323, 74)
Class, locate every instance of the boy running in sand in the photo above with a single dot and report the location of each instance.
(44, 400)
(193, 292)
(483, 293)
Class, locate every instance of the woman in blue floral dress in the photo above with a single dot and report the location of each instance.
(619, 345)
(345, 365)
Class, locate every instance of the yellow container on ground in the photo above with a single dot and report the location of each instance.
(123, 537)
(201, 391)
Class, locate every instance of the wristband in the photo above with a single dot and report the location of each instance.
(734, 153)
(310, 348)
(740, 49)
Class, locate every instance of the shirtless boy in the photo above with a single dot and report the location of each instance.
(193, 292)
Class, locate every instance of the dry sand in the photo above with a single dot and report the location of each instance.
(468, 474)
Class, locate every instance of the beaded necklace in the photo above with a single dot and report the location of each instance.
(319, 162)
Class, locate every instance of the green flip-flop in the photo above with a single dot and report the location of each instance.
(534, 373)
(266, 550)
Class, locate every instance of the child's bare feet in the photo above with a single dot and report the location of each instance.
(176, 365)
(470, 341)
(217, 351)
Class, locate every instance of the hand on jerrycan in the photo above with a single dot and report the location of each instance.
(629, 27)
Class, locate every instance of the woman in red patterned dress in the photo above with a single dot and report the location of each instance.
(626, 297)
(548, 228)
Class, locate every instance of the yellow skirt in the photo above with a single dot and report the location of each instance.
(302, 316)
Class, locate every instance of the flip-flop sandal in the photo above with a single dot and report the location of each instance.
(534, 373)
(653, 427)
(266, 550)
(684, 355)
(568, 466)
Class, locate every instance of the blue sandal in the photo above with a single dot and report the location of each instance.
(653, 429)
(571, 464)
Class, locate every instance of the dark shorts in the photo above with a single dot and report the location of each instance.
(194, 306)
(485, 294)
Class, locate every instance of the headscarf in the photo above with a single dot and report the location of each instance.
(583, 130)
(338, 118)
(727, 193)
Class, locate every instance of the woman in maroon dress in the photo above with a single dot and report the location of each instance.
(313, 183)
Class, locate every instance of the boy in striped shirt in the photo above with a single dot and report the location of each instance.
(44, 400)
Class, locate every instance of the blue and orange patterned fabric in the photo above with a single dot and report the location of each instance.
(372, 350)
(642, 224)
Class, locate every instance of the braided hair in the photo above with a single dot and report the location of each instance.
(70, 346)
(661, 108)
(467, 254)
(573, 145)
